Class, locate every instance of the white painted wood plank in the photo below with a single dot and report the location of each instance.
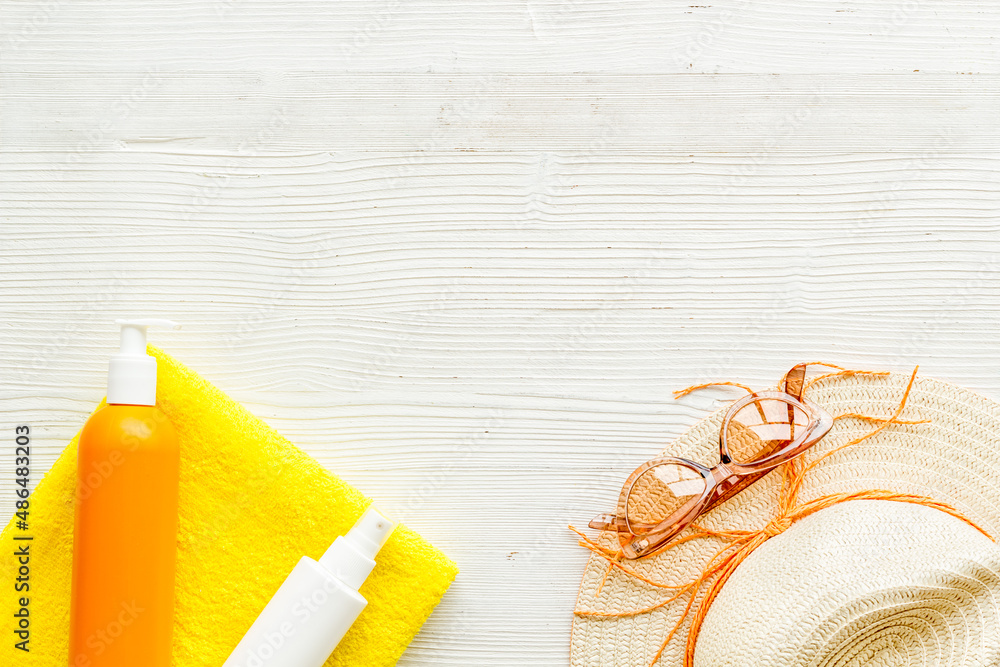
(535, 36)
(251, 113)
(403, 231)
(390, 312)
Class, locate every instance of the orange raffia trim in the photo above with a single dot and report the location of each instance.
(843, 372)
(858, 415)
(742, 543)
(695, 387)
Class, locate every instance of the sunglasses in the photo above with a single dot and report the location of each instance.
(759, 432)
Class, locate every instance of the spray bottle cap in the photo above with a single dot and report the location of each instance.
(351, 557)
(132, 372)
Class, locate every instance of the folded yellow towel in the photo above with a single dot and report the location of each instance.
(251, 505)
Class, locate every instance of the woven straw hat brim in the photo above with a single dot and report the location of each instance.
(952, 459)
(867, 582)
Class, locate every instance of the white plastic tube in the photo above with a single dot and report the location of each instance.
(317, 604)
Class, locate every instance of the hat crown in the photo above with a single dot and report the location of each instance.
(866, 582)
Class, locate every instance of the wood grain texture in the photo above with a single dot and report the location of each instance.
(462, 252)
(645, 36)
(247, 113)
(487, 343)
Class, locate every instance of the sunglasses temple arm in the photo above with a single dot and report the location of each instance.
(794, 381)
(615, 522)
(608, 522)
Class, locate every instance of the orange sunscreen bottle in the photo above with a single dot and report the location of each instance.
(125, 535)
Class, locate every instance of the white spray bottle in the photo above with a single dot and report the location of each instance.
(317, 604)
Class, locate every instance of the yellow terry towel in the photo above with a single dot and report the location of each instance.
(251, 505)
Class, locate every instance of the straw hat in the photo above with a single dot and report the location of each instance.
(864, 582)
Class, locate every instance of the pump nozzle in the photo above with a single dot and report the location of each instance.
(351, 557)
(371, 532)
(132, 372)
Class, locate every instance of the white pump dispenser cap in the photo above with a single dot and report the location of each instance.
(132, 372)
(351, 557)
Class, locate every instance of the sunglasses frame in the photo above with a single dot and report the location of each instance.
(722, 481)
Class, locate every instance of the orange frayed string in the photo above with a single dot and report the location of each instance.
(858, 415)
(843, 372)
(604, 579)
(741, 543)
(696, 387)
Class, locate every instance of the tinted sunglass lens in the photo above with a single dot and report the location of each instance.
(763, 427)
(660, 493)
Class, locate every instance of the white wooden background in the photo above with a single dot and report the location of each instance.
(462, 252)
